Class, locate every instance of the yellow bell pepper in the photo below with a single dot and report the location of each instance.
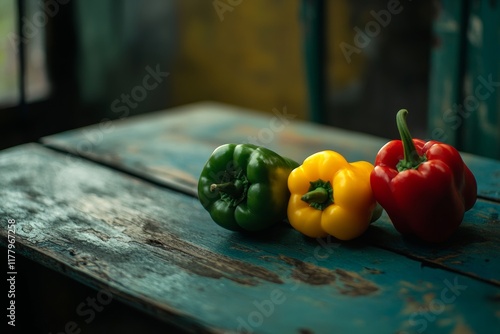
(330, 196)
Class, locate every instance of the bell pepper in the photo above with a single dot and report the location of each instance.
(329, 196)
(244, 187)
(425, 187)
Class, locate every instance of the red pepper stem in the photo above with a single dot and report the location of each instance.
(411, 158)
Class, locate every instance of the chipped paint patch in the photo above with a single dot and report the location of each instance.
(209, 264)
(309, 273)
(445, 258)
(461, 327)
(347, 282)
(355, 285)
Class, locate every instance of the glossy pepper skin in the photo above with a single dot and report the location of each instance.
(425, 187)
(330, 196)
(244, 187)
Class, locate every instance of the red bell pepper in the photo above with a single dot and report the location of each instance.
(425, 187)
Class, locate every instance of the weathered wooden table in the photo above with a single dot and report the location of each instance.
(114, 206)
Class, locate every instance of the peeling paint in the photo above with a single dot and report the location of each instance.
(346, 282)
(205, 263)
(354, 284)
(309, 273)
(152, 225)
(461, 327)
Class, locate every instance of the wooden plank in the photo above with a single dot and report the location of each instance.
(487, 173)
(473, 250)
(172, 151)
(158, 250)
(171, 147)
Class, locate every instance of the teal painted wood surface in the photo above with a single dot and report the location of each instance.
(171, 147)
(472, 251)
(487, 174)
(157, 249)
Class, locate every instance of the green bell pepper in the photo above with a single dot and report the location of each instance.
(244, 187)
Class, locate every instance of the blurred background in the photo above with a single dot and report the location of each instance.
(353, 64)
(80, 56)
(350, 64)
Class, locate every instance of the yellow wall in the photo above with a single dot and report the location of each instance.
(251, 54)
(251, 58)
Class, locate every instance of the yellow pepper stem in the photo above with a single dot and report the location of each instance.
(320, 194)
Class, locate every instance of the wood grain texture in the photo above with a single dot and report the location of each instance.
(170, 147)
(157, 249)
(472, 250)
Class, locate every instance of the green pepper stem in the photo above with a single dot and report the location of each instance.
(411, 159)
(233, 189)
(318, 195)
